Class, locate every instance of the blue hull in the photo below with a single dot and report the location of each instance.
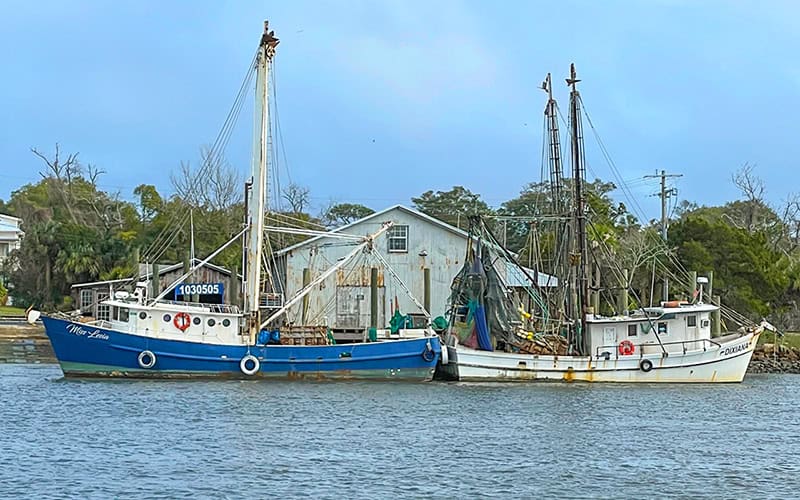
(89, 351)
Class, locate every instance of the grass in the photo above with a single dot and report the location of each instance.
(790, 339)
(11, 311)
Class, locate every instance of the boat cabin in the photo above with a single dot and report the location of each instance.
(679, 327)
(206, 323)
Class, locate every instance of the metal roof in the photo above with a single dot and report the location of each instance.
(420, 215)
(516, 278)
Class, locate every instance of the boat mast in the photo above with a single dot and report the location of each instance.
(580, 248)
(554, 147)
(561, 235)
(257, 201)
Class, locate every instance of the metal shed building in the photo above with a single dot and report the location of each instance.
(415, 243)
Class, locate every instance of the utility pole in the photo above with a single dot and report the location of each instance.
(664, 195)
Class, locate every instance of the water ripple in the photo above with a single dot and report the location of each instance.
(228, 439)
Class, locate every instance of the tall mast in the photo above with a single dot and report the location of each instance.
(257, 201)
(580, 250)
(554, 147)
(561, 247)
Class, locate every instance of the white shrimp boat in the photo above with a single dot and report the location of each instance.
(491, 337)
(684, 354)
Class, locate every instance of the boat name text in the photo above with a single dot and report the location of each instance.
(83, 332)
(733, 350)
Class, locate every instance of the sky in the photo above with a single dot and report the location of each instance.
(380, 101)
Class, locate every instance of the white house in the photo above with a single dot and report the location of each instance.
(10, 235)
(414, 243)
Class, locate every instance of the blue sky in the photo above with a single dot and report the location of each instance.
(380, 101)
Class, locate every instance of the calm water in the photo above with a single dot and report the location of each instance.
(147, 439)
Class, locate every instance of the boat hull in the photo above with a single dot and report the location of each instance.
(725, 362)
(91, 351)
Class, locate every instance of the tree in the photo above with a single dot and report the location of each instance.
(74, 232)
(748, 273)
(216, 184)
(453, 206)
(150, 202)
(298, 197)
(341, 214)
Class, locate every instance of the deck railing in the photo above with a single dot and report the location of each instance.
(217, 308)
(601, 350)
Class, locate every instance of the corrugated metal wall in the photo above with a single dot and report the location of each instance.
(442, 251)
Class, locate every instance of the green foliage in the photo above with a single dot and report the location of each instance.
(606, 219)
(150, 202)
(345, 213)
(748, 274)
(452, 207)
(3, 295)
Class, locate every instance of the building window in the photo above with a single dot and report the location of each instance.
(632, 330)
(398, 239)
(691, 320)
(87, 300)
(103, 310)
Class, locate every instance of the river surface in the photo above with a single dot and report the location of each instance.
(231, 439)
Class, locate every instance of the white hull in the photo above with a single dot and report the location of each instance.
(726, 360)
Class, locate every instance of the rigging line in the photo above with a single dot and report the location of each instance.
(226, 125)
(636, 297)
(360, 260)
(626, 191)
(309, 232)
(222, 137)
(653, 281)
(279, 129)
(402, 285)
(305, 223)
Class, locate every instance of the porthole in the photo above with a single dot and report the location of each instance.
(167, 318)
(226, 322)
(142, 315)
(211, 322)
(196, 321)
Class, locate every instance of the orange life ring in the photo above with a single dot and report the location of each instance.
(182, 321)
(626, 348)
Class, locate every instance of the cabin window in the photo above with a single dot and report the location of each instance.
(103, 310)
(398, 239)
(196, 320)
(226, 322)
(114, 313)
(87, 298)
(123, 314)
(142, 315)
(211, 322)
(691, 320)
(632, 330)
(662, 328)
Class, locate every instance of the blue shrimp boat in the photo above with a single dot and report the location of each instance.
(152, 337)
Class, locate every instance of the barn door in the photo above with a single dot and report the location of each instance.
(353, 308)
